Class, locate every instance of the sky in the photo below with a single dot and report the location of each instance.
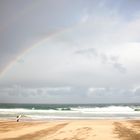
(69, 51)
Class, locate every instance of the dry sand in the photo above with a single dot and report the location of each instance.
(71, 130)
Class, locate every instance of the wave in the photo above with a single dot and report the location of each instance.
(105, 109)
(108, 109)
(78, 112)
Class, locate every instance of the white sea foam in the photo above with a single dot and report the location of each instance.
(75, 113)
(76, 109)
(105, 109)
(25, 110)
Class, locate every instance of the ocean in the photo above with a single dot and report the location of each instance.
(69, 111)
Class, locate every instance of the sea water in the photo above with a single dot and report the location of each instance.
(70, 111)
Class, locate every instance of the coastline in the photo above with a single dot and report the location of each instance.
(70, 129)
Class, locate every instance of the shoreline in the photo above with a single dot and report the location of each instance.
(71, 119)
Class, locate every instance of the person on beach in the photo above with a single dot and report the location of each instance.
(18, 118)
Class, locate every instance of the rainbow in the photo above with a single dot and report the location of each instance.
(27, 50)
(37, 44)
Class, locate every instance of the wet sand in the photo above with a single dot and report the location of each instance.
(71, 130)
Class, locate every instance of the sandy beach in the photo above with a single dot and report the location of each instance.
(71, 130)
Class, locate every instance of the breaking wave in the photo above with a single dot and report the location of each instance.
(72, 112)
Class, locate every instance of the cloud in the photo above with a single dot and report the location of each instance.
(18, 90)
(103, 57)
(109, 95)
(137, 92)
(24, 23)
(112, 94)
(22, 94)
(85, 16)
(97, 46)
(21, 60)
(67, 94)
(120, 67)
(96, 92)
(88, 52)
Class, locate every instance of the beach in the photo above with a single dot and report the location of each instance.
(70, 122)
(70, 130)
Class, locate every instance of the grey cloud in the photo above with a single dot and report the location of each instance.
(47, 94)
(58, 91)
(94, 29)
(103, 57)
(137, 92)
(24, 22)
(114, 61)
(70, 95)
(88, 52)
(114, 58)
(112, 95)
(110, 92)
(18, 90)
(39, 91)
(28, 20)
(117, 64)
(119, 67)
(21, 61)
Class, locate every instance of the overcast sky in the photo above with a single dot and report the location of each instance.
(69, 51)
